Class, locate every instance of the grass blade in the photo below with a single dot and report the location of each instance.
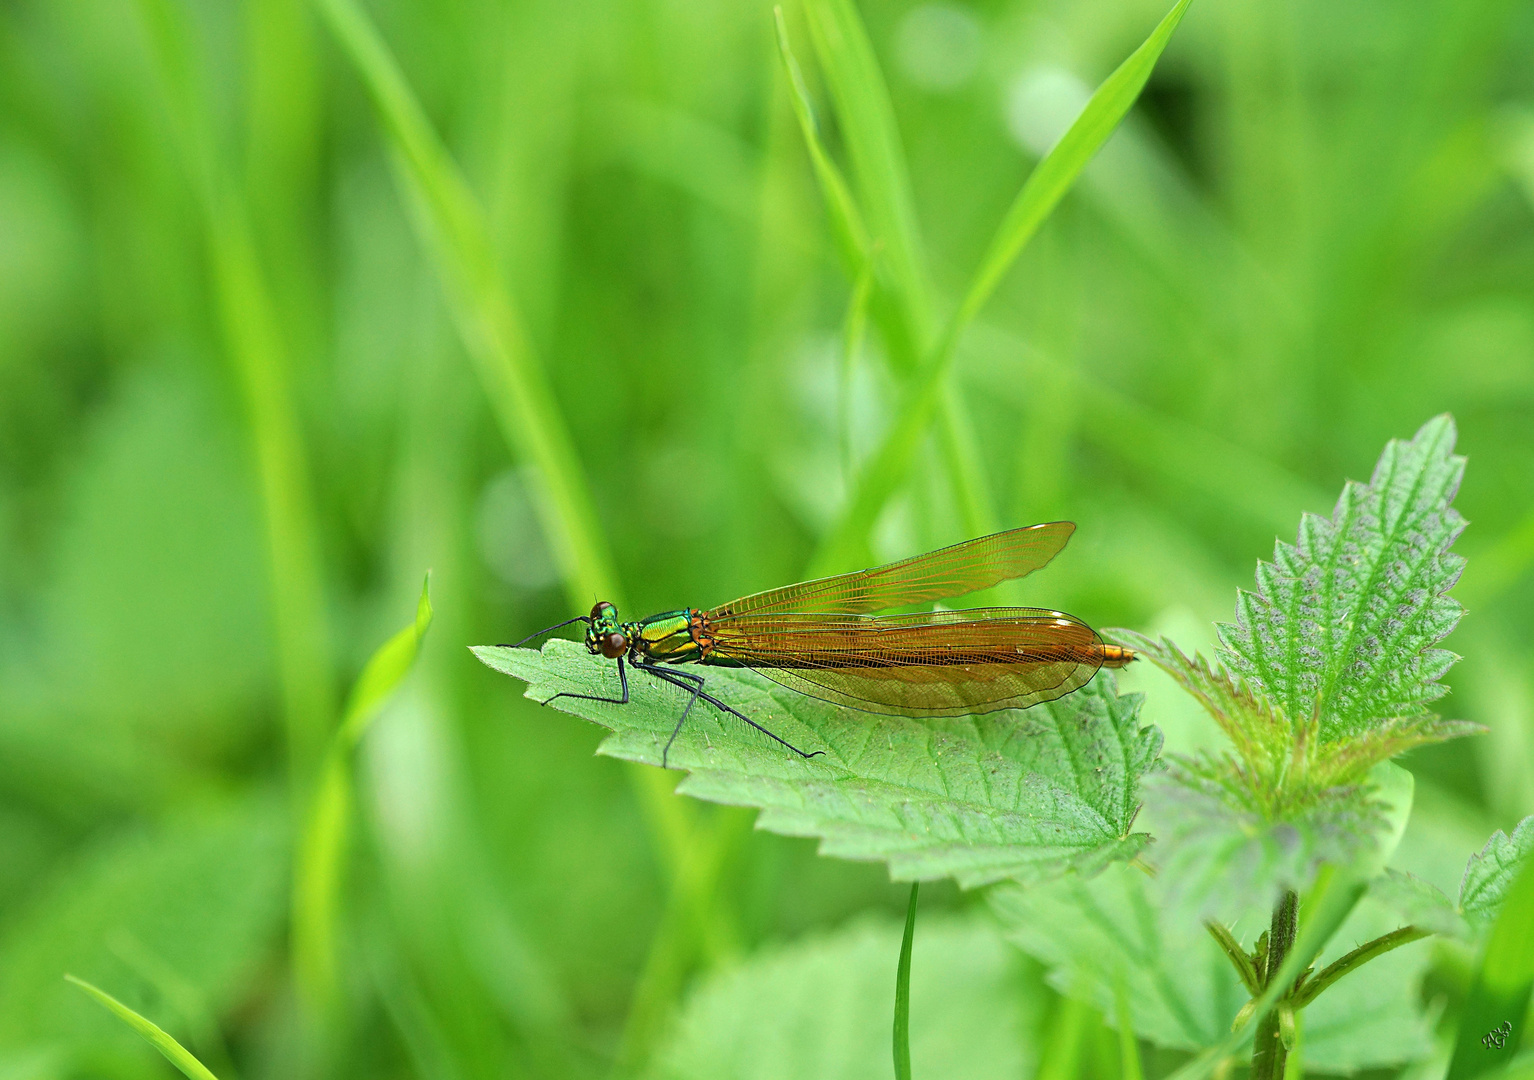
(878, 160)
(322, 848)
(1043, 190)
(249, 322)
(1129, 1048)
(846, 219)
(174, 1052)
(455, 231)
(903, 991)
(903, 304)
(457, 235)
(1055, 175)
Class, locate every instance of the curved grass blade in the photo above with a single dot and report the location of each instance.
(1045, 187)
(322, 848)
(902, 1034)
(174, 1052)
(1055, 175)
(846, 219)
(878, 159)
(902, 302)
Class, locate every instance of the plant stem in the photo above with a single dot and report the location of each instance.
(1267, 1049)
(1357, 958)
(1237, 956)
(903, 992)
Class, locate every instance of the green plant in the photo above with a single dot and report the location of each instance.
(1324, 676)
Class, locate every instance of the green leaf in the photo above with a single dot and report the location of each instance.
(1489, 874)
(1344, 623)
(1025, 794)
(384, 671)
(1284, 764)
(1122, 927)
(1262, 735)
(1418, 903)
(820, 1008)
(1504, 984)
(1225, 855)
(1220, 853)
(174, 1052)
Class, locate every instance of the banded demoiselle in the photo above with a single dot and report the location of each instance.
(822, 638)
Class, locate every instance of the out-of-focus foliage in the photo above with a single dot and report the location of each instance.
(238, 422)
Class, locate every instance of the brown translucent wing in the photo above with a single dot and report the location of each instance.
(943, 663)
(937, 575)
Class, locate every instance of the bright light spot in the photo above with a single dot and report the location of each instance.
(938, 46)
(1041, 106)
(510, 538)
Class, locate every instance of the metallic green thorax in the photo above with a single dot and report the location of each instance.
(671, 637)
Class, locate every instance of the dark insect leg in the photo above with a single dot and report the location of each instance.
(694, 685)
(623, 680)
(546, 630)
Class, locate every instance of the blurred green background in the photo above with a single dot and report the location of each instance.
(238, 423)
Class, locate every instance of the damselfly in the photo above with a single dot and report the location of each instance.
(822, 638)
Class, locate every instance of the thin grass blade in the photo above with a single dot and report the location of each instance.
(902, 1034)
(1048, 183)
(846, 219)
(873, 141)
(457, 234)
(153, 1034)
(250, 325)
(320, 857)
(1055, 175)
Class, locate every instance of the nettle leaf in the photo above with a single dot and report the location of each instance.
(1419, 903)
(820, 1008)
(1025, 794)
(1490, 873)
(1183, 992)
(1283, 762)
(1220, 853)
(1344, 622)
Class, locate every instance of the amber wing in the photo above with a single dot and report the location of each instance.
(944, 663)
(948, 572)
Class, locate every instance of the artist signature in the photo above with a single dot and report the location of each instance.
(1496, 1038)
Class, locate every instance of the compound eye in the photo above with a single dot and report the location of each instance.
(601, 609)
(614, 645)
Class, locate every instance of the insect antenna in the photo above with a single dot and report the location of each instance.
(546, 630)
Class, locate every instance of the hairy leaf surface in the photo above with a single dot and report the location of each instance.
(1013, 794)
(1418, 903)
(1344, 622)
(1490, 873)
